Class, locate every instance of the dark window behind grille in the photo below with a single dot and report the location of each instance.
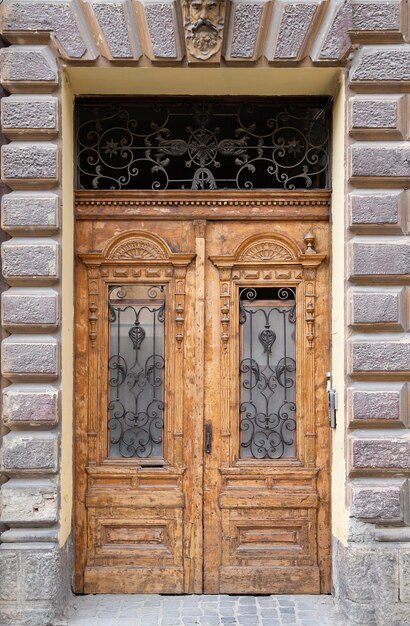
(267, 368)
(203, 144)
(136, 370)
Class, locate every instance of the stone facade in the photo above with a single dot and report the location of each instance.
(369, 40)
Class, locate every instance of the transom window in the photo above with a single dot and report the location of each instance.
(207, 144)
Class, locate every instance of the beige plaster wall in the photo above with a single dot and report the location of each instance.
(261, 81)
(67, 308)
(338, 335)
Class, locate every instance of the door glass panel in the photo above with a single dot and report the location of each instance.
(136, 371)
(267, 369)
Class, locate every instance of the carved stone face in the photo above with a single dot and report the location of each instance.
(203, 20)
(204, 10)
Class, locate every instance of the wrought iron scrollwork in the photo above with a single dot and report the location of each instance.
(267, 372)
(208, 144)
(136, 368)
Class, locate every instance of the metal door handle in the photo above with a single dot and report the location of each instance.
(208, 437)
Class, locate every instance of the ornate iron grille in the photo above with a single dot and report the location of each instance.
(267, 372)
(203, 145)
(136, 367)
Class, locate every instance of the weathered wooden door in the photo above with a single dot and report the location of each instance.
(265, 479)
(201, 432)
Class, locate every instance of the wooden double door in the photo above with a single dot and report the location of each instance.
(202, 448)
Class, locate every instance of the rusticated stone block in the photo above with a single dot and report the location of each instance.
(34, 310)
(243, 33)
(33, 357)
(383, 357)
(380, 163)
(368, 570)
(28, 68)
(371, 309)
(26, 164)
(42, 575)
(48, 534)
(380, 259)
(29, 453)
(9, 568)
(30, 405)
(384, 453)
(376, 20)
(63, 19)
(379, 501)
(117, 23)
(335, 44)
(386, 404)
(291, 24)
(29, 116)
(30, 260)
(43, 583)
(370, 210)
(389, 65)
(377, 117)
(162, 32)
(404, 574)
(30, 212)
(29, 501)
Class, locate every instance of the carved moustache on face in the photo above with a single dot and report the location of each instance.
(202, 22)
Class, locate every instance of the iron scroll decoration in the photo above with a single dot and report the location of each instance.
(203, 145)
(267, 372)
(136, 371)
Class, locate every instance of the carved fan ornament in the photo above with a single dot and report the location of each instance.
(136, 249)
(265, 251)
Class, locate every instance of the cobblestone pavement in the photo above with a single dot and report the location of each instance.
(156, 610)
